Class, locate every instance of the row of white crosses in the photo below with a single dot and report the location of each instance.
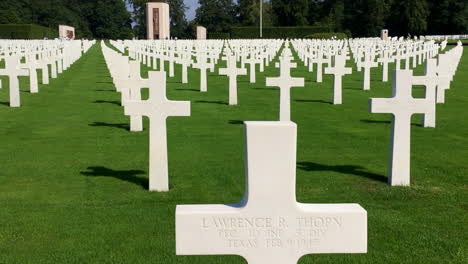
(37, 54)
(335, 53)
(255, 228)
(157, 108)
(403, 106)
(367, 52)
(300, 228)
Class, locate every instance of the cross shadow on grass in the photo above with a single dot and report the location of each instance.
(256, 88)
(345, 169)
(5, 103)
(212, 102)
(188, 90)
(124, 126)
(107, 102)
(124, 175)
(368, 121)
(236, 122)
(312, 101)
(350, 88)
(104, 90)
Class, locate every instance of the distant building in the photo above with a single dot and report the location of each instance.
(66, 32)
(158, 26)
(384, 35)
(201, 33)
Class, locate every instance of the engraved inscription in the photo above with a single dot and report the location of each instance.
(271, 232)
(156, 23)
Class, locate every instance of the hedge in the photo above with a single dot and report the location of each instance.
(329, 35)
(26, 31)
(219, 35)
(276, 32)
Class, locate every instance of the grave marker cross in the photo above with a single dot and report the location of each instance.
(430, 81)
(13, 71)
(367, 65)
(203, 65)
(402, 105)
(157, 108)
(269, 226)
(232, 72)
(338, 71)
(285, 82)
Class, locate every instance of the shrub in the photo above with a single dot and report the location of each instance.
(26, 31)
(276, 32)
(219, 35)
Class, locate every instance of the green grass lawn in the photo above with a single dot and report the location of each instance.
(73, 179)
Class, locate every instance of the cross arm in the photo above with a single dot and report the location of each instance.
(381, 105)
(207, 229)
(177, 108)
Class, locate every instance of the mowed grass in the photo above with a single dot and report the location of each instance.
(73, 179)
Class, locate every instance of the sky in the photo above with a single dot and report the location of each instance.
(192, 5)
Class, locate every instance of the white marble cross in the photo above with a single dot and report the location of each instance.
(339, 70)
(367, 65)
(185, 61)
(44, 66)
(131, 90)
(385, 60)
(31, 65)
(13, 71)
(269, 226)
(171, 60)
(157, 108)
(444, 77)
(320, 60)
(203, 65)
(430, 81)
(285, 82)
(402, 105)
(252, 61)
(232, 72)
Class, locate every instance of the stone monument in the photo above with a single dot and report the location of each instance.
(158, 20)
(66, 32)
(201, 33)
(384, 34)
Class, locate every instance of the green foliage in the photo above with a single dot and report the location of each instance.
(276, 32)
(23, 31)
(335, 35)
(91, 18)
(216, 15)
(408, 17)
(219, 35)
(248, 13)
(448, 16)
(290, 12)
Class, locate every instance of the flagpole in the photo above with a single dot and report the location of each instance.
(261, 18)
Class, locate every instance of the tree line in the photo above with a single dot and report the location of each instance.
(123, 19)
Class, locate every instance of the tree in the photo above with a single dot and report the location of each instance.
(216, 15)
(91, 18)
(248, 12)
(290, 12)
(315, 12)
(111, 20)
(448, 17)
(408, 17)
